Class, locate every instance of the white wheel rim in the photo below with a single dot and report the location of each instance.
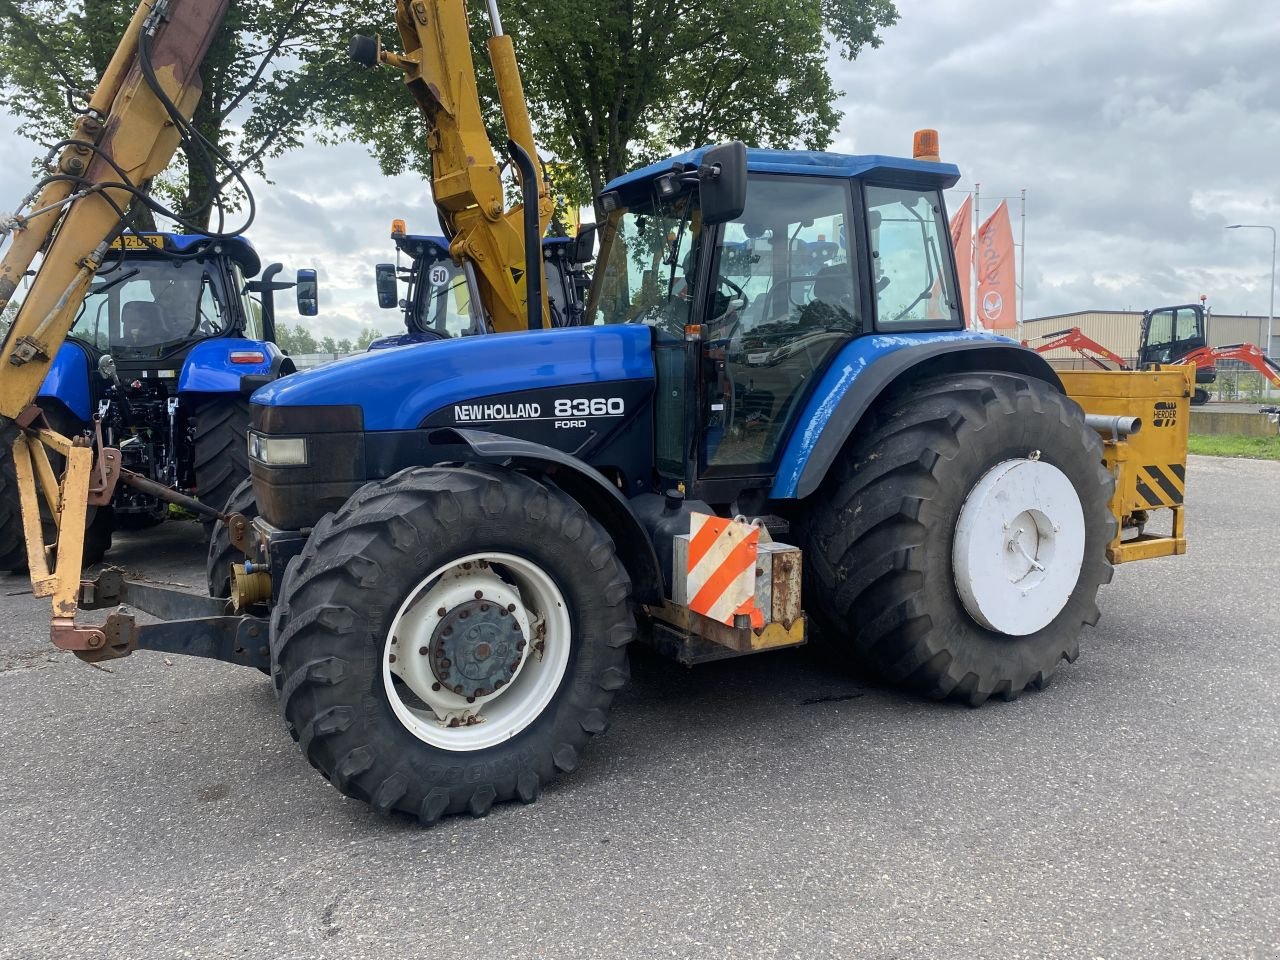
(531, 600)
(1019, 546)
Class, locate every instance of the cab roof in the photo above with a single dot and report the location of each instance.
(237, 248)
(812, 163)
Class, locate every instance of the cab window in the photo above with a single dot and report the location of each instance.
(784, 299)
(914, 284)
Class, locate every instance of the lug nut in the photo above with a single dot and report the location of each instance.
(422, 651)
(435, 687)
(471, 699)
(464, 614)
(498, 684)
(511, 608)
(484, 607)
(391, 659)
(441, 612)
(395, 640)
(458, 689)
(520, 645)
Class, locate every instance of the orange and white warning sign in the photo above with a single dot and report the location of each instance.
(722, 569)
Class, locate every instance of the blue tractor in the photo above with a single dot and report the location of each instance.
(164, 353)
(771, 425)
(442, 300)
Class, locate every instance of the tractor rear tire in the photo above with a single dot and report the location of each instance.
(935, 468)
(13, 540)
(221, 455)
(221, 553)
(363, 640)
(100, 521)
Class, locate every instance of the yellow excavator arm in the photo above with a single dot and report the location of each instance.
(501, 245)
(127, 134)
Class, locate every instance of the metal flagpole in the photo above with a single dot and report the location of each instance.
(1022, 268)
(975, 321)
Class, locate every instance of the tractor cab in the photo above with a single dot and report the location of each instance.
(440, 301)
(757, 269)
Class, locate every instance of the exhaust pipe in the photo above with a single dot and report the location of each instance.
(1115, 428)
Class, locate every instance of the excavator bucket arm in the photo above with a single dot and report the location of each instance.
(466, 179)
(125, 137)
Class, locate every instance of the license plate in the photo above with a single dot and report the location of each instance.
(129, 242)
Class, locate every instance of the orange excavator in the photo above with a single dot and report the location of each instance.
(1171, 336)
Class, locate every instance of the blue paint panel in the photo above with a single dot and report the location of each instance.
(811, 163)
(208, 367)
(849, 364)
(398, 387)
(68, 380)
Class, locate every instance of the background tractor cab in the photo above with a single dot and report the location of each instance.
(439, 301)
(1170, 334)
(164, 351)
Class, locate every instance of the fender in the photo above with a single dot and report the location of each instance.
(209, 367)
(68, 380)
(601, 499)
(863, 370)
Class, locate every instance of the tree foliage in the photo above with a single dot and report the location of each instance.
(613, 84)
(262, 89)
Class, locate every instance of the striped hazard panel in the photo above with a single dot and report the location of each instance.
(1162, 485)
(722, 569)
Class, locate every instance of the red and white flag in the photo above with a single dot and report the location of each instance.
(997, 283)
(962, 241)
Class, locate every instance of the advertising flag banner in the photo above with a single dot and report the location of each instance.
(962, 240)
(997, 283)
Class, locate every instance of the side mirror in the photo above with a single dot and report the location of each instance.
(583, 249)
(308, 292)
(384, 278)
(722, 185)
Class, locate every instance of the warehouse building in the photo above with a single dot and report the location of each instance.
(1120, 330)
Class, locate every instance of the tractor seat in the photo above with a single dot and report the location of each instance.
(141, 323)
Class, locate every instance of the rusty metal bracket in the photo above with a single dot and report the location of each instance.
(240, 531)
(106, 470)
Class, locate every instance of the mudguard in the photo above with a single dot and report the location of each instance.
(68, 380)
(862, 371)
(600, 498)
(209, 367)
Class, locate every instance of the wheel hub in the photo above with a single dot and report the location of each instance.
(1019, 546)
(476, 648)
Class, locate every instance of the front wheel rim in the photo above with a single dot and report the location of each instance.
(477, 651)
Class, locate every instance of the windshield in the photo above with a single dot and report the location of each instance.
(648, 256)
(139, 307)
(442, 300)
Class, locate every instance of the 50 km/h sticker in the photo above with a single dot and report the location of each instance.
(438, 275)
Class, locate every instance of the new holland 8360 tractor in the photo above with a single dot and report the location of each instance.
(772, 427)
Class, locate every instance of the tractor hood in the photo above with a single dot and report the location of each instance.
(398, 388)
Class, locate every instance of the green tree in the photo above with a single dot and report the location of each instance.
(612, 85)
(258, 100)
(367, 336)
(327, 345)
(344, 346)
(303, 341)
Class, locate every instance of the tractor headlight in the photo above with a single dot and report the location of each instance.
(278, 451)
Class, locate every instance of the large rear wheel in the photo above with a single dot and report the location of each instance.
(451, 638)
(958, 545)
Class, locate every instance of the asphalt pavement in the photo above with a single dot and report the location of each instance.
(760, 807)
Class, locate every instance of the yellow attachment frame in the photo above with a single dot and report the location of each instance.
(1149, 466)
(126, 130)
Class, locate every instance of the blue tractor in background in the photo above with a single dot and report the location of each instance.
(165, 350)
(441, 299)
(772, 391)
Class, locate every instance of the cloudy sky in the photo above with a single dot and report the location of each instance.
(1139, 128)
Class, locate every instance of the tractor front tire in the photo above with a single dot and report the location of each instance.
(13, 540)
(958, 545)
(451, 638)
(221, 455)
(221, 552)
